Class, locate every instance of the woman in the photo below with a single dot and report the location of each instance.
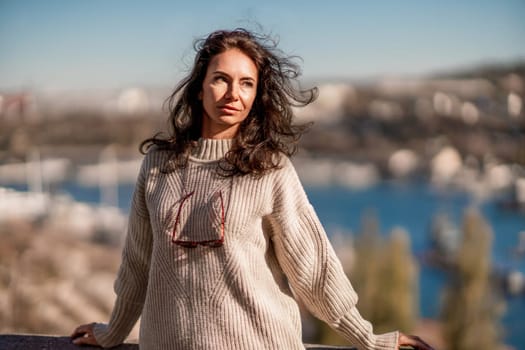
(221, 235)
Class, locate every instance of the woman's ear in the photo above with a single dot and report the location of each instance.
(200, 95)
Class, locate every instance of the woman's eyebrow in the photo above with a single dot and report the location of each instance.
(220, 72)
(248, 78)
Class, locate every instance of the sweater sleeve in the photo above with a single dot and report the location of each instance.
(312, 267)
(132, 278)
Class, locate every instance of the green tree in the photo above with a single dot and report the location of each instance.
(365, 273)
(396, 300)
(385, 278)
(472, 309)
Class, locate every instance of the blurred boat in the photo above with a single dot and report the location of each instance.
(516, 200)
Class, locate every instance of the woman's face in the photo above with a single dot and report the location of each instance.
(227, 94)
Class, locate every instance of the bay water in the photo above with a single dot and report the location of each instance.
(411, 206)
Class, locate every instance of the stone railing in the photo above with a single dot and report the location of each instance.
(46, 342)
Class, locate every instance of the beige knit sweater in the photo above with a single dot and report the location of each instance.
(240, 295)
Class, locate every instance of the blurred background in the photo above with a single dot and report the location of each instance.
(415, 162)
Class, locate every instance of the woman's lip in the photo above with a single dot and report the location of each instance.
(229, 108)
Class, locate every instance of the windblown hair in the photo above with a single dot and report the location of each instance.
(268, 130)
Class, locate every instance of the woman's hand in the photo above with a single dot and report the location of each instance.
(412, 341)
(83, 335)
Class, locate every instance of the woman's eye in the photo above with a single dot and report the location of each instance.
(248, 84)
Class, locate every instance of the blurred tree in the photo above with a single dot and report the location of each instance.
(472, 309)
(365, 274)
(384, 276)
(397, 298)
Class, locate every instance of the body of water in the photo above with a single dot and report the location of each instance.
(411, 206)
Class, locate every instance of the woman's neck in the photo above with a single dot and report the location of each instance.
(226, 134)
(216, 131)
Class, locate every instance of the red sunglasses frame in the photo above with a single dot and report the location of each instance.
(214, 243)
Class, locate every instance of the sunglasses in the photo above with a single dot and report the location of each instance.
(214, 243)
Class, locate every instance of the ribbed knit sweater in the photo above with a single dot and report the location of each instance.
(240, 295)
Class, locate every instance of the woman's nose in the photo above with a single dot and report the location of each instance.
(233, 91)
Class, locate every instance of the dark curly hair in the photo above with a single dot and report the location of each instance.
(266, 132)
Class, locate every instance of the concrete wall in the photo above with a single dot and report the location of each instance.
(45, 342)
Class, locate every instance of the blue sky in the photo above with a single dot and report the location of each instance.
(77, 44)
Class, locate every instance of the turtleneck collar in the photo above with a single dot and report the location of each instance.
(211, 149)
